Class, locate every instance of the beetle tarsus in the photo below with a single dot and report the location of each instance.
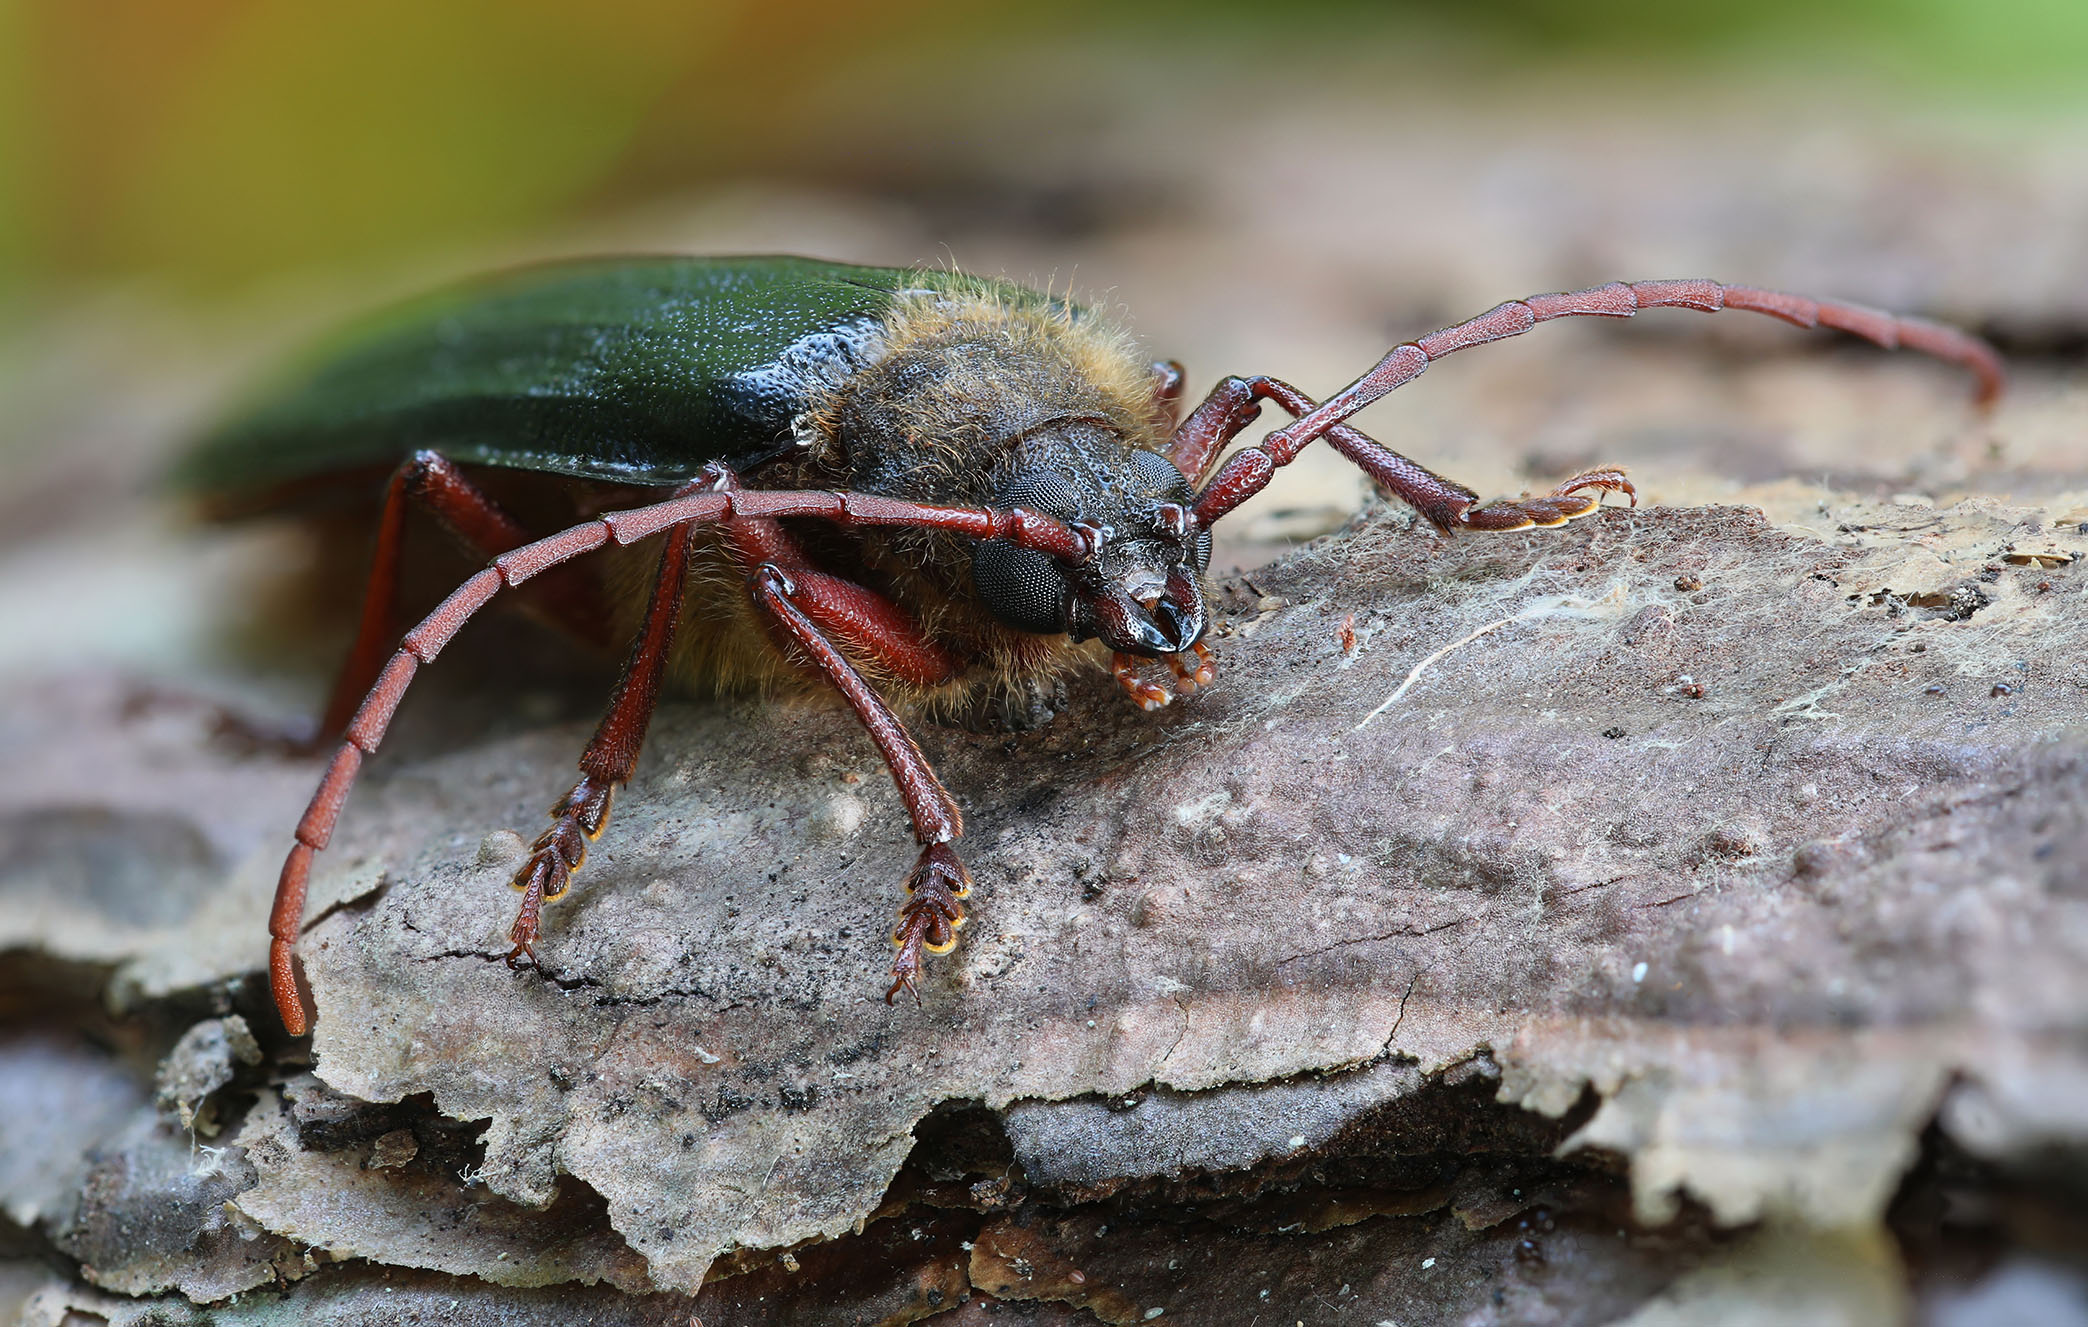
(1146, 695)
(523, 934)
(1191, 675)
(1604, 479)
(576, 821)
(1567, 502)
(557, 855)
(523, 952)
(929, 919)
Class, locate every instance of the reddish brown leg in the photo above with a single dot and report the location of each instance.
(611, 755)
(1219, 418)
(427, 640)
(430, 481)
(814, 610)
(929, 920)
(1168, 380)
(1249, 472)
(867, 622)
(1234, 403)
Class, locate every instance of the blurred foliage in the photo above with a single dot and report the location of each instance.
(1993, 45)
(206, 143)
(219, 138)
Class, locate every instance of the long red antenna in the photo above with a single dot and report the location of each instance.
(1619, 299)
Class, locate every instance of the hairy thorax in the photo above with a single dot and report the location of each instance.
(963, 387)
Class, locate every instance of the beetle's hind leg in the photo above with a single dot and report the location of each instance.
(611, 756)
(430, 481)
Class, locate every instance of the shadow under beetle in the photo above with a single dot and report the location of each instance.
(904, 483)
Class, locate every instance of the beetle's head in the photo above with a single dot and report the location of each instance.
(1141, 591)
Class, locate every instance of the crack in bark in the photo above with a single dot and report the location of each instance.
(1582, 889)
(1679, 898)
(661, 996)
(1176, 1043)
(1400, 1017)
(1409, 932)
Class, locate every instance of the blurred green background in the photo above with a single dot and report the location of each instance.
(190, 188)
(203, 147)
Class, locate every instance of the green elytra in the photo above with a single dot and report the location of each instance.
(631, 370)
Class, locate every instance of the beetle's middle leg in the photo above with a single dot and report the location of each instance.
(611, 755)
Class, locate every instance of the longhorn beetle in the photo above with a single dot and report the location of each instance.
(912, 485)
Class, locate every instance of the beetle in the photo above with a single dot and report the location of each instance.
(917, 488)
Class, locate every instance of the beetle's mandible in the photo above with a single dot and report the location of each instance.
(914, 488)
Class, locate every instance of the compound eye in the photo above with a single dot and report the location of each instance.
(1200, 551)
(1043, 491)
(1023, 588)
(1161, 477)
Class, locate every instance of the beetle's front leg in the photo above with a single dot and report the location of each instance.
(812, 610)
(1235, 402)
(1230, 407)
(929, 919)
